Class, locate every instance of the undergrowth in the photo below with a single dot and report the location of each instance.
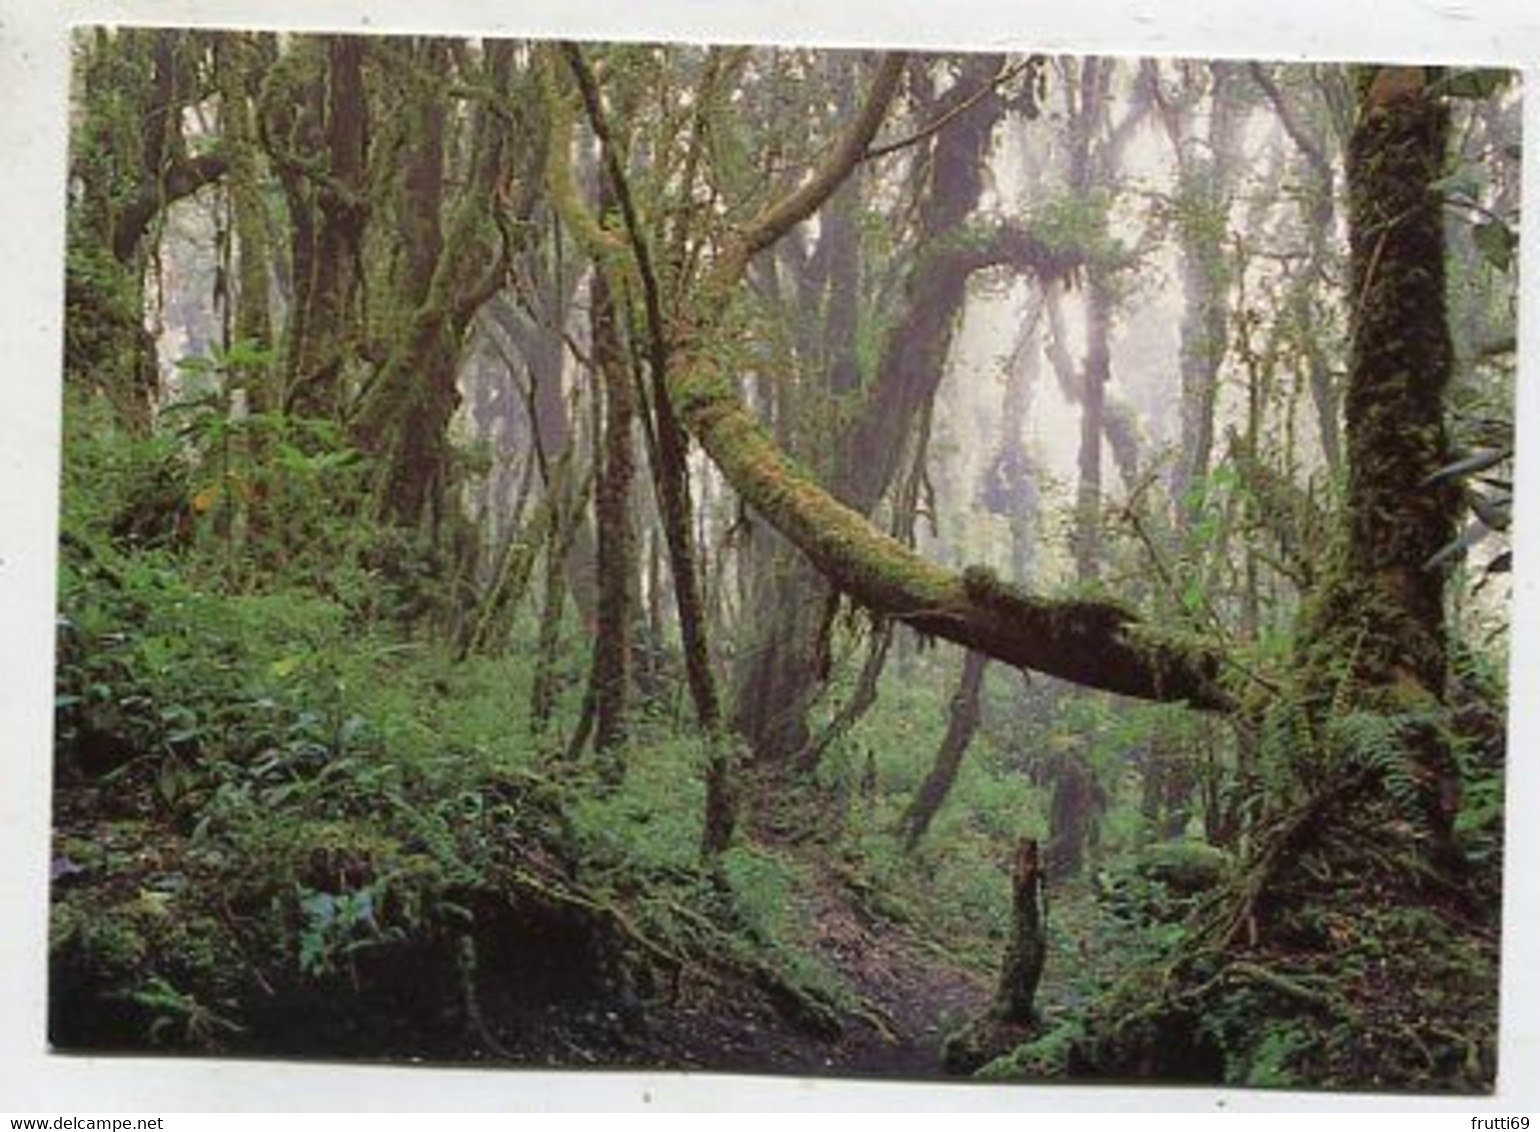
(289, 819)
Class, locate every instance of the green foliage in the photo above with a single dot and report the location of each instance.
(764, 887)
(337, 925)
(181, 1017)
(1046, 1057)
(1477, 83)
(278, 786)
(1497, 241)
(1386, 744)
(651, 829)
(120, 488)
(1269, 1066)
(1200, 212)
(1490, 498)
(1287, 745)
(1078, 222)
(273, 493)
(101, 319)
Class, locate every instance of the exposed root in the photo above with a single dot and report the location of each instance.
(1346, 955)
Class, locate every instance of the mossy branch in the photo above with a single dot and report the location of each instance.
(561, 182)
(782, 215)
(1095, 644)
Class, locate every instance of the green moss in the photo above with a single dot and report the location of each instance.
(1187, 866)
(1043, 1057)
(108, 941)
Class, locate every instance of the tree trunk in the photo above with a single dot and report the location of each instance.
(405, 416)
(1204, 233)
(1118, 419)
(1074, 813)
(1027, 948)
(1093, 399)
(566, 512)
(962, 723)
(671, 477)
(610, 680)
(238, 62)
(322, 120)
(785, 668)
(1013, 470)
(862, 698)
(130, 161)
(541, 349)
(1375, 636)
(1012, 1017)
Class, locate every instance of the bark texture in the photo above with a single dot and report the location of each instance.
(1376, 639)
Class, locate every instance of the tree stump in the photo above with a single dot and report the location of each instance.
(1028, 945)
(1012, 1019)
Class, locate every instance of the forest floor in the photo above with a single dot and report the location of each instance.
(899, 997)
(888, 994)
(900, 991)
(917, 994)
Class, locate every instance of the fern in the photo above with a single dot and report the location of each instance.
(1385, 744)
(1297, 747)
(1285, 742)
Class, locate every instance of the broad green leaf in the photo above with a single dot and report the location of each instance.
(1495, 511)
(1496, 242)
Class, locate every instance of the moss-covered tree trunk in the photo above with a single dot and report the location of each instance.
(316, 117)
(1087, 539)
(130, 162)
(1203, 212)
(1374, 639)
(238, 60)
(1013, 1016)
(541, 350)
(1307, 305)
(1352, 865)
(407, 412)
(1012, 474)
(1099, 644)
(610, 680)
(784, 671)
(1027, 948)
(1074, 814)
(666, 436)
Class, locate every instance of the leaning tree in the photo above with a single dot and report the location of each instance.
(1364, 777)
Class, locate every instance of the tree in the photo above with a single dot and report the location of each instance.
(314, 117)
(1099, 644)
(1375, 638)
(962, 722)
(1361, 741)
(632, 258)
(877, 415)
(132, 160)
(610, 681)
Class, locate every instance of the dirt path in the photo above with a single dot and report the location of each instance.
(917, 995)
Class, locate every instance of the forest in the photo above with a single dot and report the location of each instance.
(773, 560)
